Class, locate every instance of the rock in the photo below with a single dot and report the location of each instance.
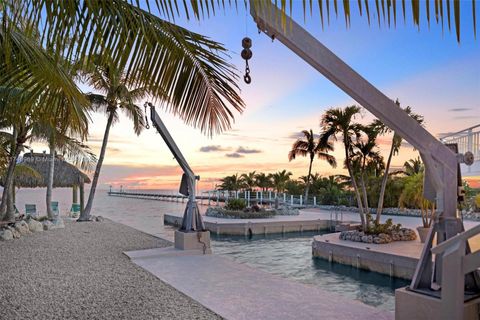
(47, 225)
(34, 225)
(6, 235)
(99, 219)
(16, 234)
(22, 227)
(369, 239)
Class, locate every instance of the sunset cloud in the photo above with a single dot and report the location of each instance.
(234, 155)
(213, 148)
(247, 150)
(459, 109)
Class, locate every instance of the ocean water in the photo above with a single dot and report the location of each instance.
(288, 256)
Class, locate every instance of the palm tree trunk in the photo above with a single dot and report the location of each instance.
(8, 183)
(355, 188)
(364, 192)
(10, 205)
(307, 187)
(51, 169)
(85, 216)
(364, 188)
(384, 184)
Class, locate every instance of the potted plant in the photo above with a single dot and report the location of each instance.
(428, 215)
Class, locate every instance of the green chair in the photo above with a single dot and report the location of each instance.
(31, 210)
(54, 204)
(75, 210)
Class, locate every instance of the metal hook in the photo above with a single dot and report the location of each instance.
(147, 125)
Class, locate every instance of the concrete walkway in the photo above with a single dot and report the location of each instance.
(236, 291)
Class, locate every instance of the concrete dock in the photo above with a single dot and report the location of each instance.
(397, 259)
(236, 291)
(305, 221)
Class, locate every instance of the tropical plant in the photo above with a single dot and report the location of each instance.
(413, 167)
(235, 204)
(155, 54)
(279, 180)
(263, 181)
(365, 155)
(477, 201)
(248, 180)
(394, 150)
(231, 183)
(339, 122)
(307, 146)
(116, 96)
(294, 187)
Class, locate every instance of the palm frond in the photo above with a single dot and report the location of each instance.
(185, 71)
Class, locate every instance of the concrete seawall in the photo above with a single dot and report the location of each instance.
(396, 259)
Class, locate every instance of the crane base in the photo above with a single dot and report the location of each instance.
(198, 241)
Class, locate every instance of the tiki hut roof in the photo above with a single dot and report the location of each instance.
(65, 174)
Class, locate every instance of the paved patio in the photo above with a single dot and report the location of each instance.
(236, 291)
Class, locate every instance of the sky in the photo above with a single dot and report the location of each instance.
(423, 67)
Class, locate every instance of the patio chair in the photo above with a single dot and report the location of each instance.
(56, 213)
(31, 210)
(75, 210)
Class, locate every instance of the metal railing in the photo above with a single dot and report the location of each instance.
(467, 140)
(456, 263)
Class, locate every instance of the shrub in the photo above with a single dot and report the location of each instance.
(235, 204)
(477, 201)
(388, 227)
(235, 214)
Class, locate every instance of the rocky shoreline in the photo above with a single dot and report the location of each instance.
(403, 234)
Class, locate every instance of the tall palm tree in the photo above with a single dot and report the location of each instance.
(307, 146)
(248, 180)
(365, 152)
(115, 97)
(263, 181)
(279, 180)
(337, 122)
(394, 150)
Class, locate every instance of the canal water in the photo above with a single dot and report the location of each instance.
(290, 256)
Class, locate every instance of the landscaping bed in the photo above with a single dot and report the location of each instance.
(380, 233)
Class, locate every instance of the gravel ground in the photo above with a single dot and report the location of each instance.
(80, 272)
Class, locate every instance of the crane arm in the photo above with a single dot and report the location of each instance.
(163, 131)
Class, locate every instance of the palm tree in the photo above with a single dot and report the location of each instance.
(280, 178)
(337, 121)
(155, 54)
(115, 96)
(231, 183)
(263, 181)
(365, 153)
(413, 166)
(309, 147)
(394, 150)
(248, 180)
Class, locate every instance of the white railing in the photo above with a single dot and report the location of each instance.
(261, 197)
(456, 263)
(467, 140)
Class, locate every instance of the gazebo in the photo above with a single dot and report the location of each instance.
(65, 175)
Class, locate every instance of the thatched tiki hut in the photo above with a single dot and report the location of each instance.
(65, 175)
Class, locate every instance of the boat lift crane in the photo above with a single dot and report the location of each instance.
(441, 162)
(192, 220)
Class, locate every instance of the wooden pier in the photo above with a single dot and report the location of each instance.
(217, 197)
